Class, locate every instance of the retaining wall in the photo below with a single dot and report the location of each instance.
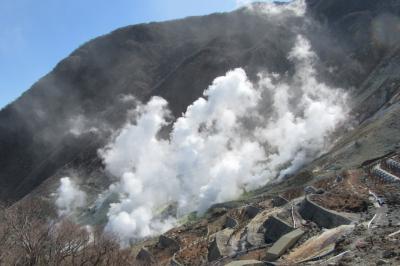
(323, 217)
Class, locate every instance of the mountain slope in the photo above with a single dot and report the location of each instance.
(74, 109)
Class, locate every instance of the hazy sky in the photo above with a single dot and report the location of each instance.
(36, 34)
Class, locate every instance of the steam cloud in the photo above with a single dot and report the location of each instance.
(69, 197)
(224, 144)
(295, 7)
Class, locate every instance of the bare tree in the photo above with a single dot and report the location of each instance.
(31, 234)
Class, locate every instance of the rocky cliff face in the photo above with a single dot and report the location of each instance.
(71, 112)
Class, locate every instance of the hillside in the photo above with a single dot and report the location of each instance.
(69, 123)
(162, 59)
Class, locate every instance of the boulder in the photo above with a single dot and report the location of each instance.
(265, 228)
(254, 231)
(171, 244)
(283, 244)
(220, 246)
(318, 246)
(144, 257)
(221, 223)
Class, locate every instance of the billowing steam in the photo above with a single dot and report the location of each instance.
(295, 7)
(305, 113)
(237, 137)
(69, 197)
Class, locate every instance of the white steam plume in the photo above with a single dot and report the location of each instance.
(306, 112)
(295, 7)
(211, 156)
(69, 197)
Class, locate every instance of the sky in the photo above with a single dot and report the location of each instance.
(36, 34)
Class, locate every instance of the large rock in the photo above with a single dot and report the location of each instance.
(254, 231)
(165, 242)
(266, 227)
(283, 244)
(318, 246)
(221, 245)
(144, 257)
(221, 223)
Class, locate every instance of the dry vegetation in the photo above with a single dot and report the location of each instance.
(29, 237)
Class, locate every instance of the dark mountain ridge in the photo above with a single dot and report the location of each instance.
(178, 60)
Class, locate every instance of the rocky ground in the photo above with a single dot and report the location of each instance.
(350, 217)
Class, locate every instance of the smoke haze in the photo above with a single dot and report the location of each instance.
(296, 7)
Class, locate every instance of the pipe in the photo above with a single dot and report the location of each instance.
(294, 220)
(393, 234)
(370, 222)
